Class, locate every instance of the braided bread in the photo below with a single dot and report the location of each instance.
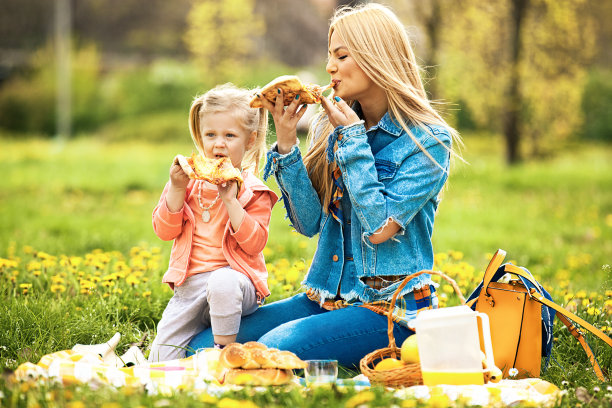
(263, 376)
(256, 355)
(255, 364)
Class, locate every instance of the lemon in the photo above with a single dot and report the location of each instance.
(496, 375)
(388, 364)
(410, 350)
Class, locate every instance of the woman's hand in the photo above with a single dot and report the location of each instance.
(338, 112)
(285, 120)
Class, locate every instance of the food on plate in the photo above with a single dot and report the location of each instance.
(291, 86)
(254, 363)
(215, 171)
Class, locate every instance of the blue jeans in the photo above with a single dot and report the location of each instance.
(300, 325)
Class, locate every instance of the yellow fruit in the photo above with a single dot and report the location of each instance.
(388, 364)
(410, 350)
(496, 375)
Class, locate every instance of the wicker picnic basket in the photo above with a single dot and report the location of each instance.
(408, 374)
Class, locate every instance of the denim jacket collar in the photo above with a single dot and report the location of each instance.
(386, 123)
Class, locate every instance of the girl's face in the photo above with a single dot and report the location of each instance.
(224, 136)
(353, 83)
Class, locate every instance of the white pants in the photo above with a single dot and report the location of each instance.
(214, 299)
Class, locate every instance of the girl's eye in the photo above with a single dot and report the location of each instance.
(230, 135)
(210, 135)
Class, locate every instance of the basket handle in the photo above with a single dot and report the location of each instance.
(452, 282)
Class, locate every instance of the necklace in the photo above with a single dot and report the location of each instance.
(205, 212)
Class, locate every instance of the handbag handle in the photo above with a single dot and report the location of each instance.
(565, 316)
(494, 264)
(392, 345)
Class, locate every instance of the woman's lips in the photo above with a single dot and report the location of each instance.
(335, 83)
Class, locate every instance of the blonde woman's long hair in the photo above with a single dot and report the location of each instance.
(229, 98)
(379, 44)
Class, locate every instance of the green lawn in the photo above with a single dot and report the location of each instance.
(93, 199)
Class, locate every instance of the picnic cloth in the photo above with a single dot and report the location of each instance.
(195, 374)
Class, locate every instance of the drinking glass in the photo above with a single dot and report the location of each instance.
(319, 372)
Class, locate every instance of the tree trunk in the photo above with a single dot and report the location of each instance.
(513, 97)
(432, 25)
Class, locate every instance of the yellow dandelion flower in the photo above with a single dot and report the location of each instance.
(360, 399)
(36, 273)
(33, 265)
(25, 285)
(156, 250)
(28, 249)
(118, 291)
(78, 308)
(302, 245)
(57, 279)
(108, 284)
(106, 295)
(585, 302)
(609, 293)
(55, 288)
(232, 403)
(581, 294)
(207, 398)
(287, 287)
(292, 275)
(132, 280)
(146, 294)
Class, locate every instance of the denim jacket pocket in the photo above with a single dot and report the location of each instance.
(385, 169)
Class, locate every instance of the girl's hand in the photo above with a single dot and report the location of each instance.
(178, 178)
(228, 191)
(285, 120)
(338, 112)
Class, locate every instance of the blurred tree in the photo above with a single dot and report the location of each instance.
(519, 65)
(221, 36)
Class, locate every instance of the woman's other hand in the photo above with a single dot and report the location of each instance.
(285, 120)
(339, 113)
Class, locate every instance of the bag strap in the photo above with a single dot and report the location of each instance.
(494, 264)
(516, 270)
(565, 316)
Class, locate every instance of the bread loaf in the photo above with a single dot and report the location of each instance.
(262, 376)
(254, 355)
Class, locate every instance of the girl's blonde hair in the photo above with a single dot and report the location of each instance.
(229, 98)
(380, 46)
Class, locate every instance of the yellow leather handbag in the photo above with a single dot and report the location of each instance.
(521, 314)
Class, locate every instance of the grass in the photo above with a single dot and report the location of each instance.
(89, 202)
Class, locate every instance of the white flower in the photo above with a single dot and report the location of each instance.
(512, 372)
(596, 389)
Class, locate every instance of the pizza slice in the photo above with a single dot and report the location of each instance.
(215, 171)
(291, 86)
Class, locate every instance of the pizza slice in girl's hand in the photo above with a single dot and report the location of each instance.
(215, 171)
(291, 86)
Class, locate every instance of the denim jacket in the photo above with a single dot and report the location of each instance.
(397, 182)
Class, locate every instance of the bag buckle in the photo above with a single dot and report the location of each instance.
(490, 299)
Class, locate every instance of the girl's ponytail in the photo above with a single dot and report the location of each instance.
(194, 123)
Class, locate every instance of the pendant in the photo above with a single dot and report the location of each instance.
(205, 216)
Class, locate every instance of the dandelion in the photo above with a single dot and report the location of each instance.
(146, 294)
(58, 288)
(513, 372)
(360, 399)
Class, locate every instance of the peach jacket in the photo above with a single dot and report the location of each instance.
(242, 248)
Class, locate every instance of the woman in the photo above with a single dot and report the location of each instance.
(379, 155)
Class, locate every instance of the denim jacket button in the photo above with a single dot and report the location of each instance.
(335, 258)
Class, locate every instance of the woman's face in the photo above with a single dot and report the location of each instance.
(352, 82)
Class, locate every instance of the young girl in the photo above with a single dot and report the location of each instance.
(217, 268)
(368, 185)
